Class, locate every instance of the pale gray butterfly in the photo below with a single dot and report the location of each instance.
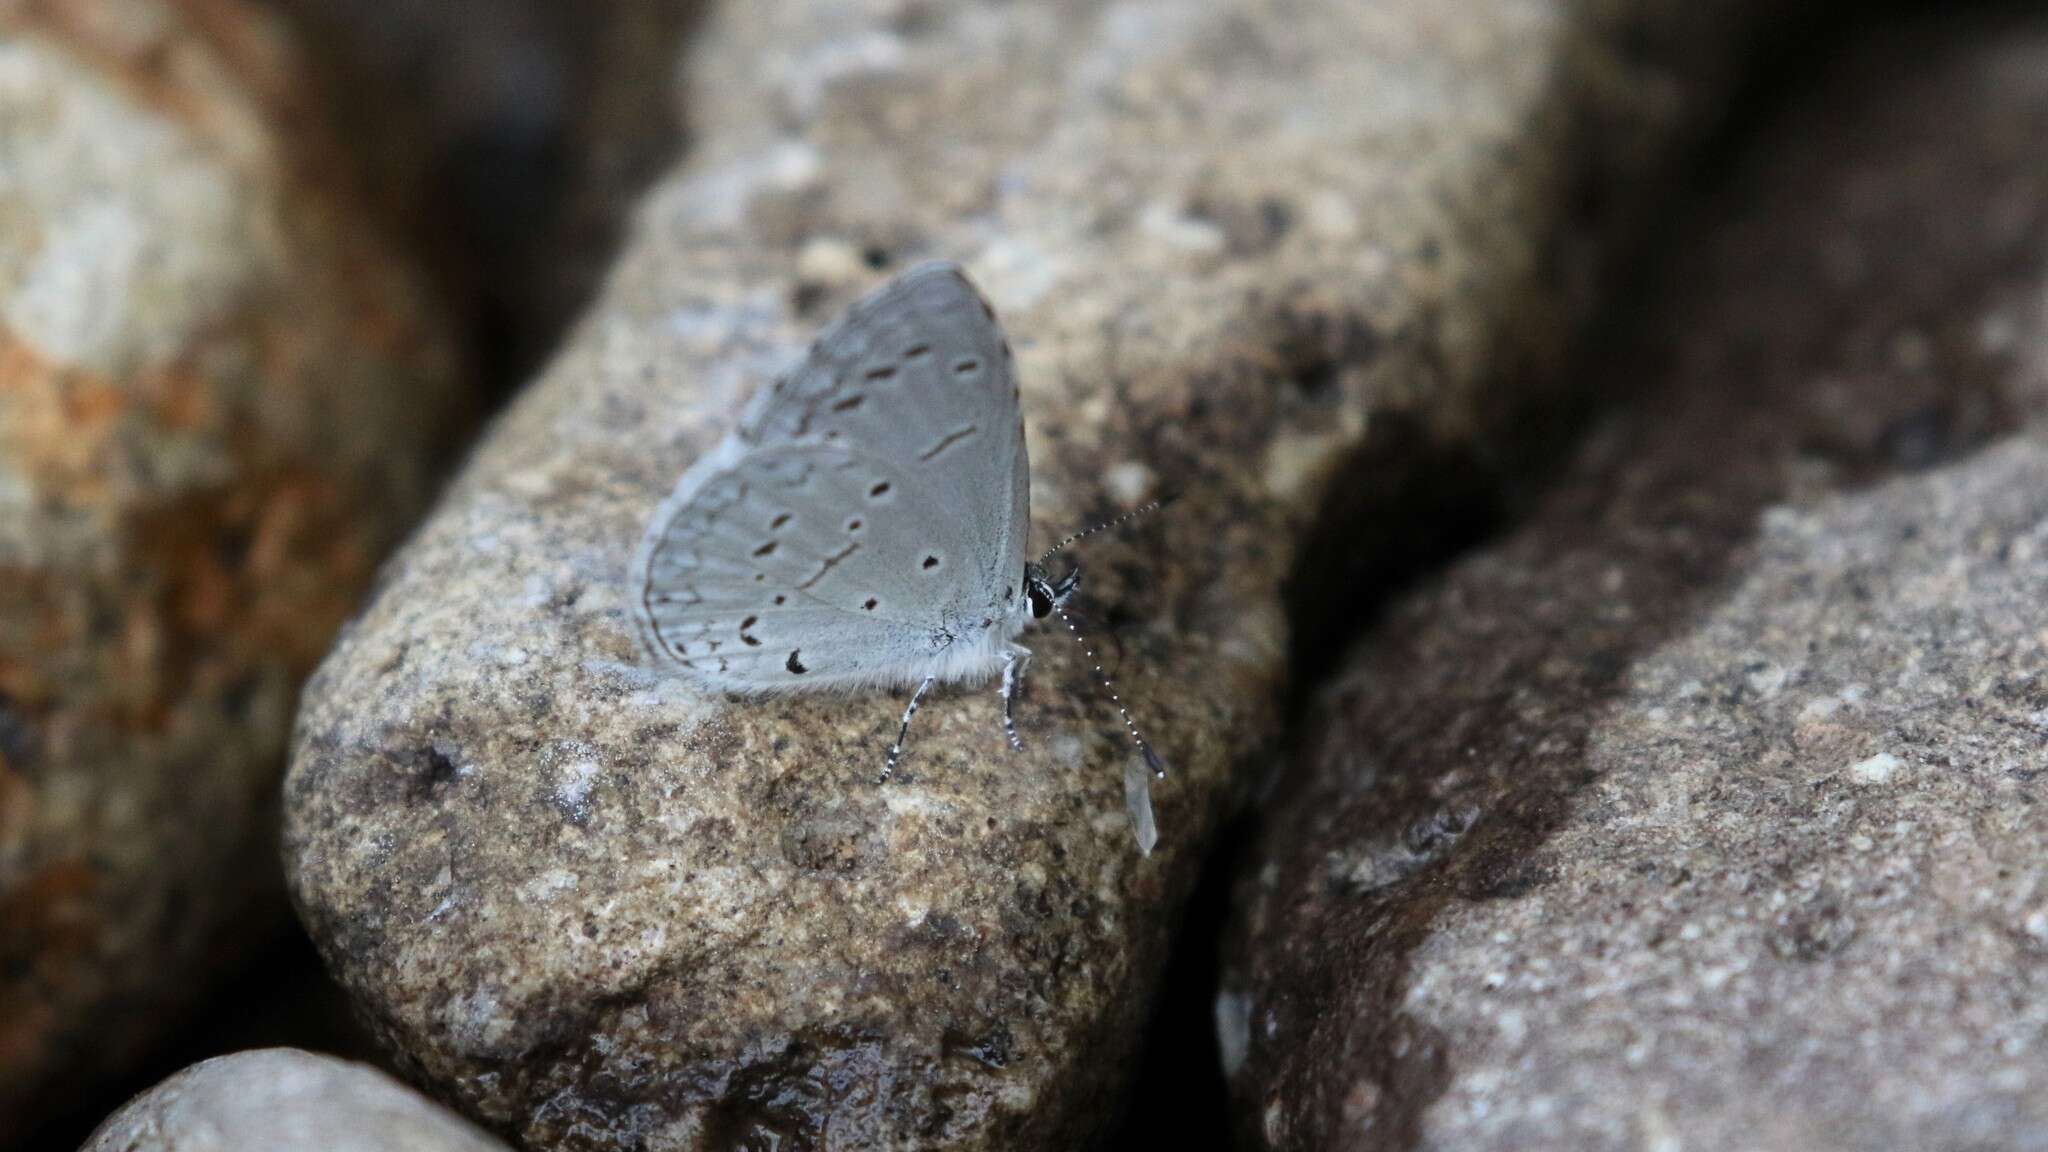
(864, 524)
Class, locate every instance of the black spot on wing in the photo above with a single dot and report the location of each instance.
(795, 666)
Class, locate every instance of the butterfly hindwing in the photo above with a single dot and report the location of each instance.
(868, 513)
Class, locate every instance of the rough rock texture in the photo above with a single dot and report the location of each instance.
(1705, 810)
(512, 135)
(606, 912)
(219, 394)
(285, 1100)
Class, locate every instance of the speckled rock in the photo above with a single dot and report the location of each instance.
(285, 1100)
(219, 397)
(1704, 811)
(603, 911)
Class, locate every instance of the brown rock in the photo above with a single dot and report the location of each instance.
(606, 912)
(285, 1100)
(219, 394)
(1703, 810)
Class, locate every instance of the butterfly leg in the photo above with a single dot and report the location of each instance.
(896, 749)
(1016, 658)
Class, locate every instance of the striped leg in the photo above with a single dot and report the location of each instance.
(1016, 658)
(896, 749)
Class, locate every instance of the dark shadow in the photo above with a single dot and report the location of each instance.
(1400, 507)
(281, 998)
(506, 141)
(1178, 1098)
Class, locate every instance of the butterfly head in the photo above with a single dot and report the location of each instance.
(1046, 595)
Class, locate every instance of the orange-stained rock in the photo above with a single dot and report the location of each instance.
(222, 395)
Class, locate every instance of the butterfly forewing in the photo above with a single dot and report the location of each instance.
(870, 509)
(920, 373)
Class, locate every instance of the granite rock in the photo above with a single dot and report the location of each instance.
(604, 911)
(1704, 809)
(220, 396)
(285, 1100)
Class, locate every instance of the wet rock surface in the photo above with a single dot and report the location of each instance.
(285, 1100)
(602, 910)
(220, 392)
(1704, 810)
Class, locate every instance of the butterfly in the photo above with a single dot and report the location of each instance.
(864, 526)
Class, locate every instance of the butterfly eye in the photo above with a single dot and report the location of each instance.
(1041, 599)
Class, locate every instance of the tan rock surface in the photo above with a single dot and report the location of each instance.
(606, 912)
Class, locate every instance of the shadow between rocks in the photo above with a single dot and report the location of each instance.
(507, 140)
(281, 998)
(1438, 764)
(1401, 509)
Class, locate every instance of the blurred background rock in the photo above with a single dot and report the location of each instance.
(264, 266)
(224, 393)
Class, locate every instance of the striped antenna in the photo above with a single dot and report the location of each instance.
(1140, 510)
(1152, 759)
